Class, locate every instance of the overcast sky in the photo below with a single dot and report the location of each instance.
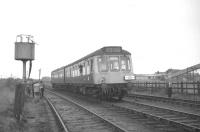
(160, 34)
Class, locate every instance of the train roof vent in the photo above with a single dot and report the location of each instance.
(112, 49)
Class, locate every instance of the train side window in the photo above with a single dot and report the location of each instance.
(91, 65)
(88, 67)
(114, 63)
(55, 75)
(84, 70)
(73, 71)
(76, 71)
(58, 75)
(102, 64)
(81, 69)
(65, 72)
(70, 71)
(52, 75)
(62, 73)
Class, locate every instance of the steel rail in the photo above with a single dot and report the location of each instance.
(165, 109)
(57, 115)
(195, 129)
(165, 99)
(154, 116)
(84, 108)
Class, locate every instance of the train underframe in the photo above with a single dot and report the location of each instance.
(102, 91)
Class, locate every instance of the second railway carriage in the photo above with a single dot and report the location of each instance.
(105, 73)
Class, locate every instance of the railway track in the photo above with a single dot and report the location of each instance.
(76, 118)
(167, 100)
(126, 118)
(179, 119)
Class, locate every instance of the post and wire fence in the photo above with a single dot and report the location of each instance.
(187, 90)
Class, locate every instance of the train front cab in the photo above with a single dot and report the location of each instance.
(113, 73)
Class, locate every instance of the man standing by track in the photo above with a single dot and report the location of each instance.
(41, 89)
(169, 89)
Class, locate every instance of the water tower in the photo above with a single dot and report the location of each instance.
(24, 50)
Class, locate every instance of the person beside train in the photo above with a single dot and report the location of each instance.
(28, 88)
(32, 90)
(169, 89)
(36, 89)
(41, 89)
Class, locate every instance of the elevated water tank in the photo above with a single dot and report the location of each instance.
(24, 48)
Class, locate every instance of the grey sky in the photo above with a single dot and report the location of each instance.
(160, 34)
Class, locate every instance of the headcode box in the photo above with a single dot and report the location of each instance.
(24, 51)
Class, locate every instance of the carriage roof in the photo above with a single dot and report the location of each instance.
(108, 50)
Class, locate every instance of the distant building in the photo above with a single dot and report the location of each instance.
(144, 76)
(187, 74)
(171, 71)
(157, 76)
(46, 81)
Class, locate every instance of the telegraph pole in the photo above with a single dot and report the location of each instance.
(39, 73)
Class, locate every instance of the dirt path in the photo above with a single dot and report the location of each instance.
(37, 116)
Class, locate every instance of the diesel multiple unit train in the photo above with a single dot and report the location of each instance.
(105, 73)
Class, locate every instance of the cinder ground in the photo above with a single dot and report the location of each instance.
(37, 116)
(7, 120)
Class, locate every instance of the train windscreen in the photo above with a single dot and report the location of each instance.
(125, 63)
(102, 64)
(114, 63)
